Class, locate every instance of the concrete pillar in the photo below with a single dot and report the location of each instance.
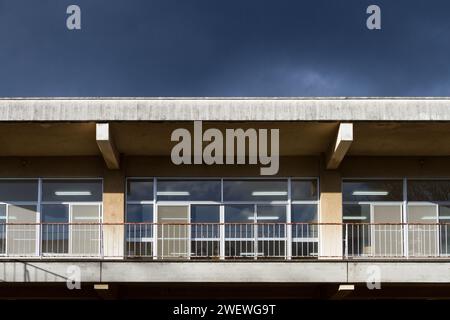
(113, 213)
(330, 214)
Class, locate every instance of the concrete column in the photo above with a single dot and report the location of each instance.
(330, 212)
(113, 213)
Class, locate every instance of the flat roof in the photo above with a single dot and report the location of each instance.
(225, 109)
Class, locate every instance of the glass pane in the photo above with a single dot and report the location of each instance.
(55, 230)
(193, 190)
(304, 190)
(271, 221)
(422, 238)
(240, 221)
(357, 231)
(22, 238)
(139, 190)
(2, 228)
(303, 218)
(85, 230)
(140, 213)
(205, 219)
(444, 229)
(373, 190)
(173, 232)
(254, 190)
(387, 236)
(139, 237)
(428, 190)
(18, 190)
(72, 190)
(356, 213)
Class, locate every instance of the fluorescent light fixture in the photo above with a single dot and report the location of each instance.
(173, 193)
(444, 217)
(164, 218)
(265, 218)
(268, 193)
(431, 218)
(354, 218)
(370, 193)
(73, 193)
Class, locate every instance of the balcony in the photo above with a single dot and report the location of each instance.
(220, 241)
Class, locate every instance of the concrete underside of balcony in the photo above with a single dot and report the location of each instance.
(226, 272)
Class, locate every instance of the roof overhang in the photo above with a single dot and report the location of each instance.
(225, 109)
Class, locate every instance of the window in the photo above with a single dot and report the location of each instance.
(188, 190)
(140, 190)
(71, 213)
(304, 190)
(139, 218)
(373, 190)
(228, 218)
(18, 190)
(372, 211)
(72, 190)
(205, 230)
(18, 205)
(255, 190)
(305, 231)
(428, 203)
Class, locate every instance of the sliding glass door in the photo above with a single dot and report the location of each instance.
(173, 231)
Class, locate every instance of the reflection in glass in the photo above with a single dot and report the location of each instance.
(304, 190)
(255, 190)
(357, 231)
(183, 190)
(55, 231)
(72, 190)
(139, 189)
(429, 190)
(373, 190)
(139, 233)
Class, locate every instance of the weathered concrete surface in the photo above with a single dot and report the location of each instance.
(398, 272)
(39, 271)
(227, 272)
(306, 272)
(227, 109)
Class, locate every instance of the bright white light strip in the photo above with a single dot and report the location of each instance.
(73, 193)
(265, 218)
(173, 193)
(172, 218)
(354, 218)
(268, 193)
(370, 193)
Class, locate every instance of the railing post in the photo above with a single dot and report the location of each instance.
(346, 240)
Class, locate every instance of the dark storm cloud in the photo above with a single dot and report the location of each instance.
(224, 48)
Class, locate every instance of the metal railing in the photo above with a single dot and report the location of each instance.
(222, 240)
(399, 240)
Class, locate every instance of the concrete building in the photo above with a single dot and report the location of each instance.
(88, 188)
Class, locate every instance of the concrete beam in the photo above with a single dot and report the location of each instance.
(340, 147)
(106, 145)
(225, 109)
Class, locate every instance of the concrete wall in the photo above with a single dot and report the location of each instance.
(226, 272)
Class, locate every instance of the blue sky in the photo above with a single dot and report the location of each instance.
(224, 48)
